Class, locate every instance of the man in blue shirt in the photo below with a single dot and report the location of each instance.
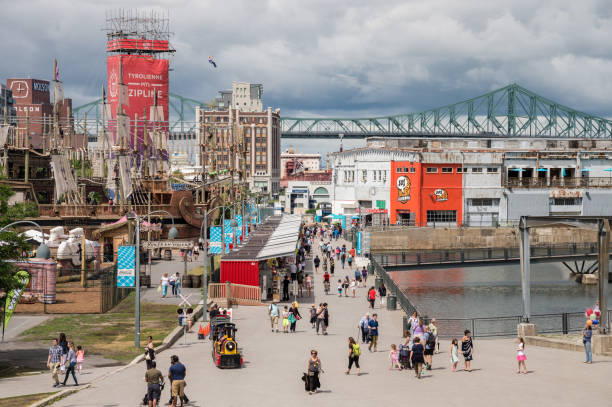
(177, 374)
(373, 324)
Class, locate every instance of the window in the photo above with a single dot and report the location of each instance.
(485, 202)
(432, 170)
(566, 201)
(447, 170)
(398, 170)
(412, 170)
(459, 170)
(364, 176)
(492, 170)
(441, 216)
(477, 170)
(380, 204)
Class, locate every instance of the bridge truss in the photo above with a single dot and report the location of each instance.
(511, 111)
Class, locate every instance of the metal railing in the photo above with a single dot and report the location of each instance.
(422, 257)
(235, 293)
(97, 210)
(564, 182)
(485, 327)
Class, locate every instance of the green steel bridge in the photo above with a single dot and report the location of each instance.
(511, 111)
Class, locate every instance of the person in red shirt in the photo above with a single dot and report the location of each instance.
(372, 296)
(352, 251)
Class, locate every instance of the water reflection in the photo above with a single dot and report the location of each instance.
(493, 290)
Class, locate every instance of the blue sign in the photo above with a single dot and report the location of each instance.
(215, 240)
(358, 242)
(126, 266)
(239, 227)
(229, 234)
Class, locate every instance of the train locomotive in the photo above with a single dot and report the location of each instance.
(225, 352)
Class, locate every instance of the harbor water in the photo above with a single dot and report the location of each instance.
(482, 291)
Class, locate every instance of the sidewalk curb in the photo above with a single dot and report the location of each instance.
(168, 341)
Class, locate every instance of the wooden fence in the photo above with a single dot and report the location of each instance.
(240, 294)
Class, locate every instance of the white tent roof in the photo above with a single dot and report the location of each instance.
(283, 240)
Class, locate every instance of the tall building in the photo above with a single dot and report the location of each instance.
(34, 97)
(6, 100)
(246, 97)
(262, 135)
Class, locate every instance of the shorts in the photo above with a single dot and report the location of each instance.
(153, 391)
(428, 352)
(178, 388)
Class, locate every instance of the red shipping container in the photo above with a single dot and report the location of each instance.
(240, 272)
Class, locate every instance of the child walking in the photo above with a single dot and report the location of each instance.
(520, 356)
(285, 320)
(80, 356)
(339, 288)
(394, 358)
(353, 288)
(454, 351)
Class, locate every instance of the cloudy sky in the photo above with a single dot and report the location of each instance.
(336, 58)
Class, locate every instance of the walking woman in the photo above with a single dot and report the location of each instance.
(466, 347)
(149, 352)
(71, 360)
(63, 343)
(353, 355)
(416, 357)
(294, 316)
(313, 369)
(413, 322)
(165, 281)
(382, 292)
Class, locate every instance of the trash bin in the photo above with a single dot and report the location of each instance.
(377, 283)
(391, 302)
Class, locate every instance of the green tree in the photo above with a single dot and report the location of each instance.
(12, 245)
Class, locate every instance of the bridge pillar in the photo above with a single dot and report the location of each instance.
(603, 259)
(525, 268)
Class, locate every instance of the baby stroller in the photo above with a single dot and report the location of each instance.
(404, 357)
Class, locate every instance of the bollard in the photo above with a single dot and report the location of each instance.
(391, 302)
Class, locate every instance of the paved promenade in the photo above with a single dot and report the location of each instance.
(275, 362)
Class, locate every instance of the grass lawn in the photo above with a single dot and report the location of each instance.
(110, 335)
(24, 400)
(8, 370)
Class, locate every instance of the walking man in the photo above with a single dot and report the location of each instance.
(154, 379)
(53, 361)
(176, 374)
(373, 324)
(317, 261)
(273, 312)
(364, 327)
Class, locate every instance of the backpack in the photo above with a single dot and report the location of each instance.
(356, 350)
(431, 340)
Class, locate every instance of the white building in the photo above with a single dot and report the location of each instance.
(303, 193)
(295, 163)
(246, 97)
(361, 178)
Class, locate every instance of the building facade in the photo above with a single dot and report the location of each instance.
(32, 97)
(6, 104)
(307, 191)
(293, 163)
(262, 135)
(475, 182)
(361, 178)
(246, 97)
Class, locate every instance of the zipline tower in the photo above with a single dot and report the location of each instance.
(138, 52)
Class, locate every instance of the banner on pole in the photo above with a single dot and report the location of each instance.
(238, 228)
(229, 235)
(215, 240)
(358, 242)
(22, 278)
(126, 266)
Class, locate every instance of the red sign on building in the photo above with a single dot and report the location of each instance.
(145, 77)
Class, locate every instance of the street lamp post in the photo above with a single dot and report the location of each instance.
(172, 233)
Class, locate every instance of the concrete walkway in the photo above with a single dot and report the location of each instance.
(274, 363)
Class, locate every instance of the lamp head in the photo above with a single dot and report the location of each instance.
(43, 252)
(173, 233)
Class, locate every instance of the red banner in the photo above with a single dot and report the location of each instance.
(144, 77)
(124, 44)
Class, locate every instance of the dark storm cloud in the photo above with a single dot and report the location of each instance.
(353, 58)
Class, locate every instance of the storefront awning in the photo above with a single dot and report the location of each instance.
(277, 237)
